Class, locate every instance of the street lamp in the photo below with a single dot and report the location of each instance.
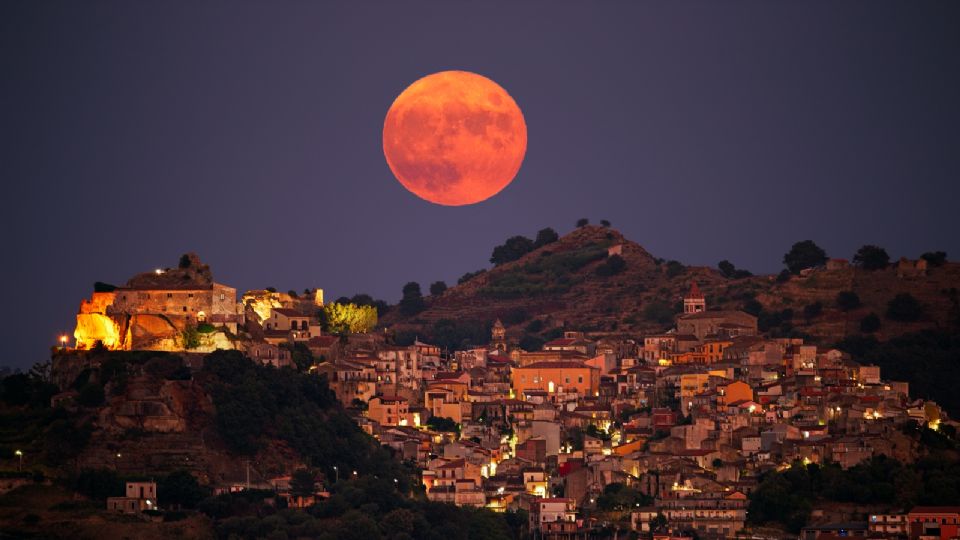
(63, 342)
(19, 455)
(336, 474)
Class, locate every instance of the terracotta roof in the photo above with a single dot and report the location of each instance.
(935, 510)
(392, 398)
(561, 342)
(561, 364)
(695, 291)
(322, 341)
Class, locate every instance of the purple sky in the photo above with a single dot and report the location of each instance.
(249, 132)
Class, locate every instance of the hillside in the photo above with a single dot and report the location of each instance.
(562, 285)
(192, 423)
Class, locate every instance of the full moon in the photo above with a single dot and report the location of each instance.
(454, 138)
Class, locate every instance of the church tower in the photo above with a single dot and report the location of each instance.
(499, 336)
(694, 302)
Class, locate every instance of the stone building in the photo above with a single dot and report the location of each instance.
(153, 308)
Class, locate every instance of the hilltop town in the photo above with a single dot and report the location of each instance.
(675, 431)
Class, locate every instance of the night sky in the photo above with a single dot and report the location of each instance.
(250, 132)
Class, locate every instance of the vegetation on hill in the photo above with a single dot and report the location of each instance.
(368, 508)
(929, 360)
(787, 497)
(551, 273)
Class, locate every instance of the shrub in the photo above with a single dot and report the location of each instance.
(511, 250)
(531, 343)
(904, 308)
(870, 323)
(674, 269)
(535, 326)
(812, 311)
(847, 300)
(582, 222)
(612, 266)
(470, 275)
(515, 316)
(935, 258)
(658, 311)
(100, 286)
(437, 288)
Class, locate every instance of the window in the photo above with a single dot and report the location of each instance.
(580, 379)
(169, 295)
(184, 308)
(222, 297)
(190, 295)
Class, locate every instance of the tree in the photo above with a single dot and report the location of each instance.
(470, 275)
(604, 223)
(437, 288)
(531, 343)
(871, 258)
(511, 250)
(180, 488)
(412, 301)
(783, 276)
(303, 483)
(443, 423)
(727, 269)
(870, 323)
(190, 337)
(349, 318)
(612, 266)
(658, 311)
(185, 260)
(582, 222)
(674, 269)
(805, 254)
(935, 258)
(98, 484)
(847, 300)
(812, 311)
(545, 236)
(904, 308)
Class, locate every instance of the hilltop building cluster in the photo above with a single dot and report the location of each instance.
(672, 429)
(686, 420)
(183, 309)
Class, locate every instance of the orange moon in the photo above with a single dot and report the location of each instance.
(454, 138)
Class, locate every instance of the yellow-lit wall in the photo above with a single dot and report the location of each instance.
(582, 379)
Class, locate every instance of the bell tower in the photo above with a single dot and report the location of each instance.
(694, 302)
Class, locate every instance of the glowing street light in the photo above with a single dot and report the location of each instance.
(63, 342)
(336, 474)
(19, 455)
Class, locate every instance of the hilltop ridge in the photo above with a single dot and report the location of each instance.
(562, 285)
